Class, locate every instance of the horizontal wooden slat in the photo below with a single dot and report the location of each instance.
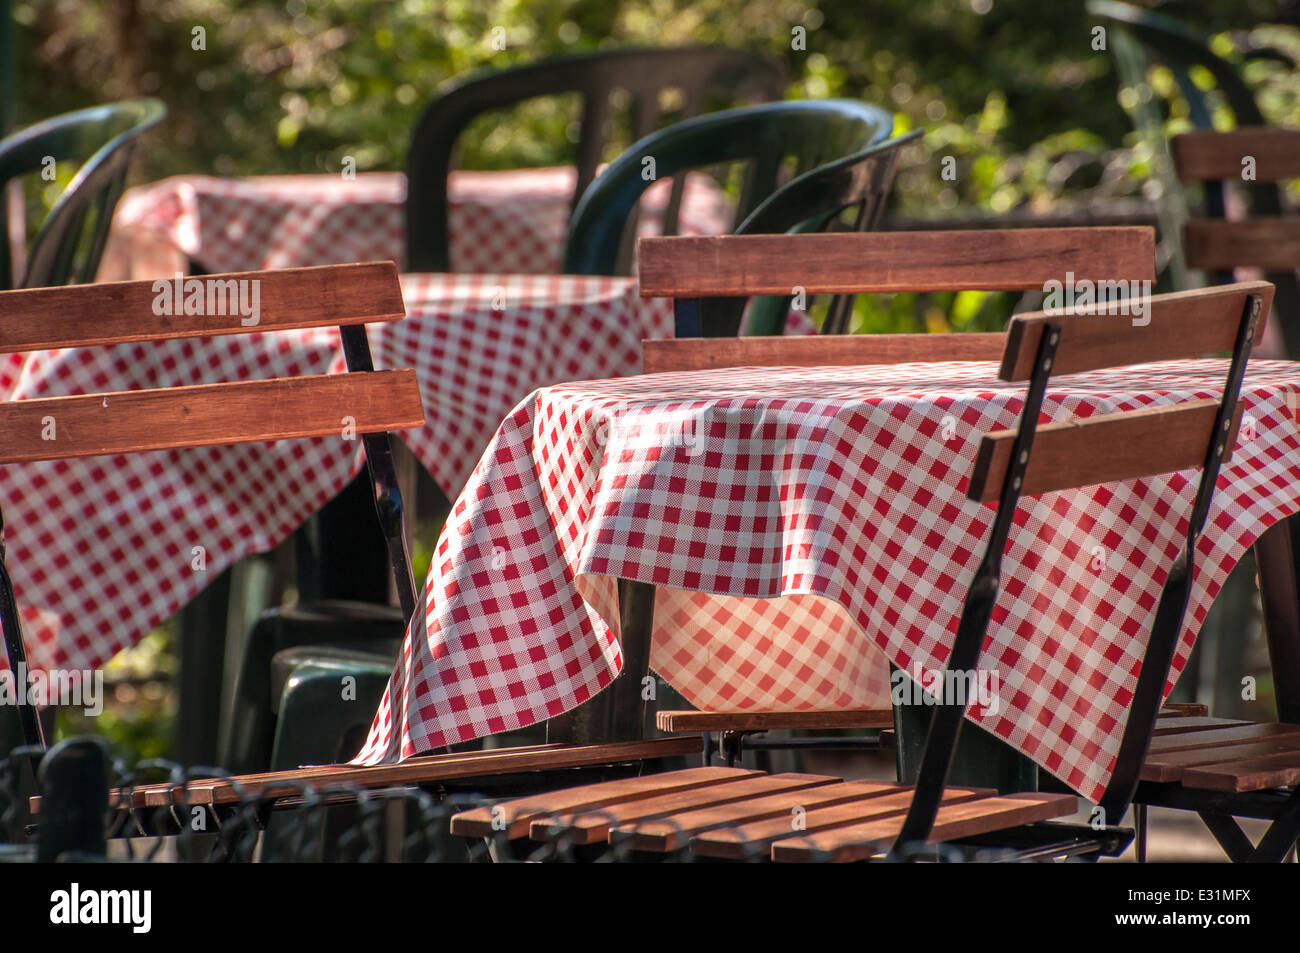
(1280, 769)
(828, 350)
(208, 415)
(512, 818)
(1179, 325)
(1204, 155)
(771, 720)
(1240, 735)
(737, 842)
(593, 826)
(1269, 243)
(991, 260)
(121, 311)
(429, 769)
(1169, 766)
(1184, 724)
(1103, 449)
(1181, 709)
(953, 822)
(664, 834)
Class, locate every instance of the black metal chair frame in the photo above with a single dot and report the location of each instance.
(977, 609)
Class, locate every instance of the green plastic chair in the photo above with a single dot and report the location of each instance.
(768, 138)
(100, 140)
(701, 74)
(810, 203)
(323, 633)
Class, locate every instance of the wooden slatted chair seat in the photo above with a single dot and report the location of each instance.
(736, 814)
(730, 812)
(271, 786)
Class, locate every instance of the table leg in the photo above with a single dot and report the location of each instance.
(618, 713)
(201, 636)
(980, 760)
(1279, 589)
(351, 560)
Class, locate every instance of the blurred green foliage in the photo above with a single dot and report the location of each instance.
(1012, 90)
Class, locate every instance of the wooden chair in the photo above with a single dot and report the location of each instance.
(1021, 259)
(700, 74)
(212, 414)
(734, 813)
(1268, 240)
(251, 411)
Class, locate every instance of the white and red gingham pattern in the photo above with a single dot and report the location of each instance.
(499, 222)
(103, 549)
(804, 525)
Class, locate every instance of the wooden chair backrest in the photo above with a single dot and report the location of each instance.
(208, 414)
(1246, 155)
(885, 262)
(1129, 444)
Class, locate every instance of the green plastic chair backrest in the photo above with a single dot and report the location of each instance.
(766, 138)
(700, 74)
(100, 140)
(810, 203)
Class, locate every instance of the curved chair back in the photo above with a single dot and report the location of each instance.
(810, 203)
(643, 74)
(101, 140)
(812, 133)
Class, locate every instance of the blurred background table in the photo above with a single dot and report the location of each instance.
(503, 222)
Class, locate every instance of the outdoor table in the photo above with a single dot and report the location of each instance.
(804, 527)
(102, 549)
(511, 222)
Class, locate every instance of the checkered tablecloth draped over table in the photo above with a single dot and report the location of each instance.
(499, 222)
(102, 549)
(804, 525)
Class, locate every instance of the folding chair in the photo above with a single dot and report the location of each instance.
(1019, 260)
(213, 414)
(733, 813)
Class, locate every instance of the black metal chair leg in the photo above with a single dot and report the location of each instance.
(1140, 843)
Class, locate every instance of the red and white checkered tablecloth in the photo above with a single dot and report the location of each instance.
(499, 222)
(103, 549)
(804, 525)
